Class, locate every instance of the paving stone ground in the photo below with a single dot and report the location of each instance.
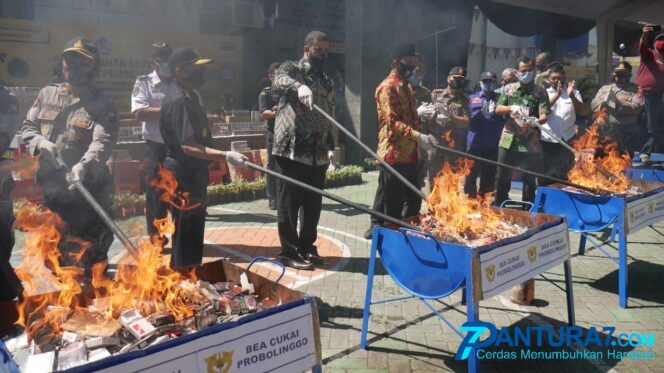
(407, 337)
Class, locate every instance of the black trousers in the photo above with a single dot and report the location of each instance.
(527, 161)
(154, 207)
(393, 198)
(271, 187)
(189, 221)
(290, 199)
(556, 161)
(83, 223)
(486, 172)
(10, 286)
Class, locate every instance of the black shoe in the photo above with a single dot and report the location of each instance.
(311, 255)
(296, 262)
(272, 204)
(369, 233)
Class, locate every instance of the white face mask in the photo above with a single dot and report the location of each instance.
(486, 86)
(526, 77)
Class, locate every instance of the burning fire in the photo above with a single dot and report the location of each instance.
(597, 151)
(456, 217)
(166, 181)
(53, 291)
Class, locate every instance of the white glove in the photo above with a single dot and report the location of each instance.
(426, 111)
(492, 107)
(425, 142)
(442, 119)
(77, 174)
(48, 152)
(330, 156)
(519, 110)
(306, 96)
(237, 159)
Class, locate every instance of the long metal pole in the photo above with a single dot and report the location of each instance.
(535, 122)
(106, 218)
(101, 212)
(394, 172)
(533, 173)
(331, 196)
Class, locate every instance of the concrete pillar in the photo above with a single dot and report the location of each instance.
(367, 64)
(605, 36)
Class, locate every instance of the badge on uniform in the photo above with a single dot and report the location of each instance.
(46, 129)
(506, 140)
(205, 132)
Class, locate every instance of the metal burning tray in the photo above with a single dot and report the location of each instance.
(430, 269)
(591, 213)
(283, 338)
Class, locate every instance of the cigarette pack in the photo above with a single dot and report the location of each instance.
(72, 355)
(98, 354)
(39, 363)
(140, 328)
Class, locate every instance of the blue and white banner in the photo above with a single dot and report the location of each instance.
(514, 263)
(280, 342)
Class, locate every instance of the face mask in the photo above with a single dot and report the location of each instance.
(622, 78)
(164, 70)
(196, 78)
(405, 70)
(525, 77)
(79, 77)
(456, 84)
(414, 79)
(317, 62)
(486, 86)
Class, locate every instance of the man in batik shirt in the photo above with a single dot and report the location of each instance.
(301, 144)
(398, 137)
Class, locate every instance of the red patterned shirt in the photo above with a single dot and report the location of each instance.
(398, 124)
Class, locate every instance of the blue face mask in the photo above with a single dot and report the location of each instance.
(525, 77)
(164, 70)
(486, 86)
(414, 79)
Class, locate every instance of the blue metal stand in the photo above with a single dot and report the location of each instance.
(420, 266)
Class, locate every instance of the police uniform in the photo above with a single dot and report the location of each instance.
(482, 140)
(150, 91)
(623, 104)
(456, 105)
(9, 283)
(84, 131)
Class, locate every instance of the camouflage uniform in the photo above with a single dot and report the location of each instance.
(84, 130)
(457, 105)
(9, 284)
(622, 103)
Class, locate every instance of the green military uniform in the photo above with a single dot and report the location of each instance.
(622, 103)
(458, 105)
(84, 131)
(520, 146)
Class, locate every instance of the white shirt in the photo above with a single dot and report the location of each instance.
(562, 117)
(150, 91)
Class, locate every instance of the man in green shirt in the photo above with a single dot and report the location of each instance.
(519, 143)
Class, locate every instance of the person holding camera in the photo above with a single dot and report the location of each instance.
(650, 78)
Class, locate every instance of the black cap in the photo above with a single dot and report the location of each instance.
(403, 50)
(82, 46)
(161, 51)
(186, 56)
(488, 75)
(458, 71)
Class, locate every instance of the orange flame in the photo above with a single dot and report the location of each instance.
(597, 151)
(457, 214)
(166, 182)
(45, 281)
(142, 283)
